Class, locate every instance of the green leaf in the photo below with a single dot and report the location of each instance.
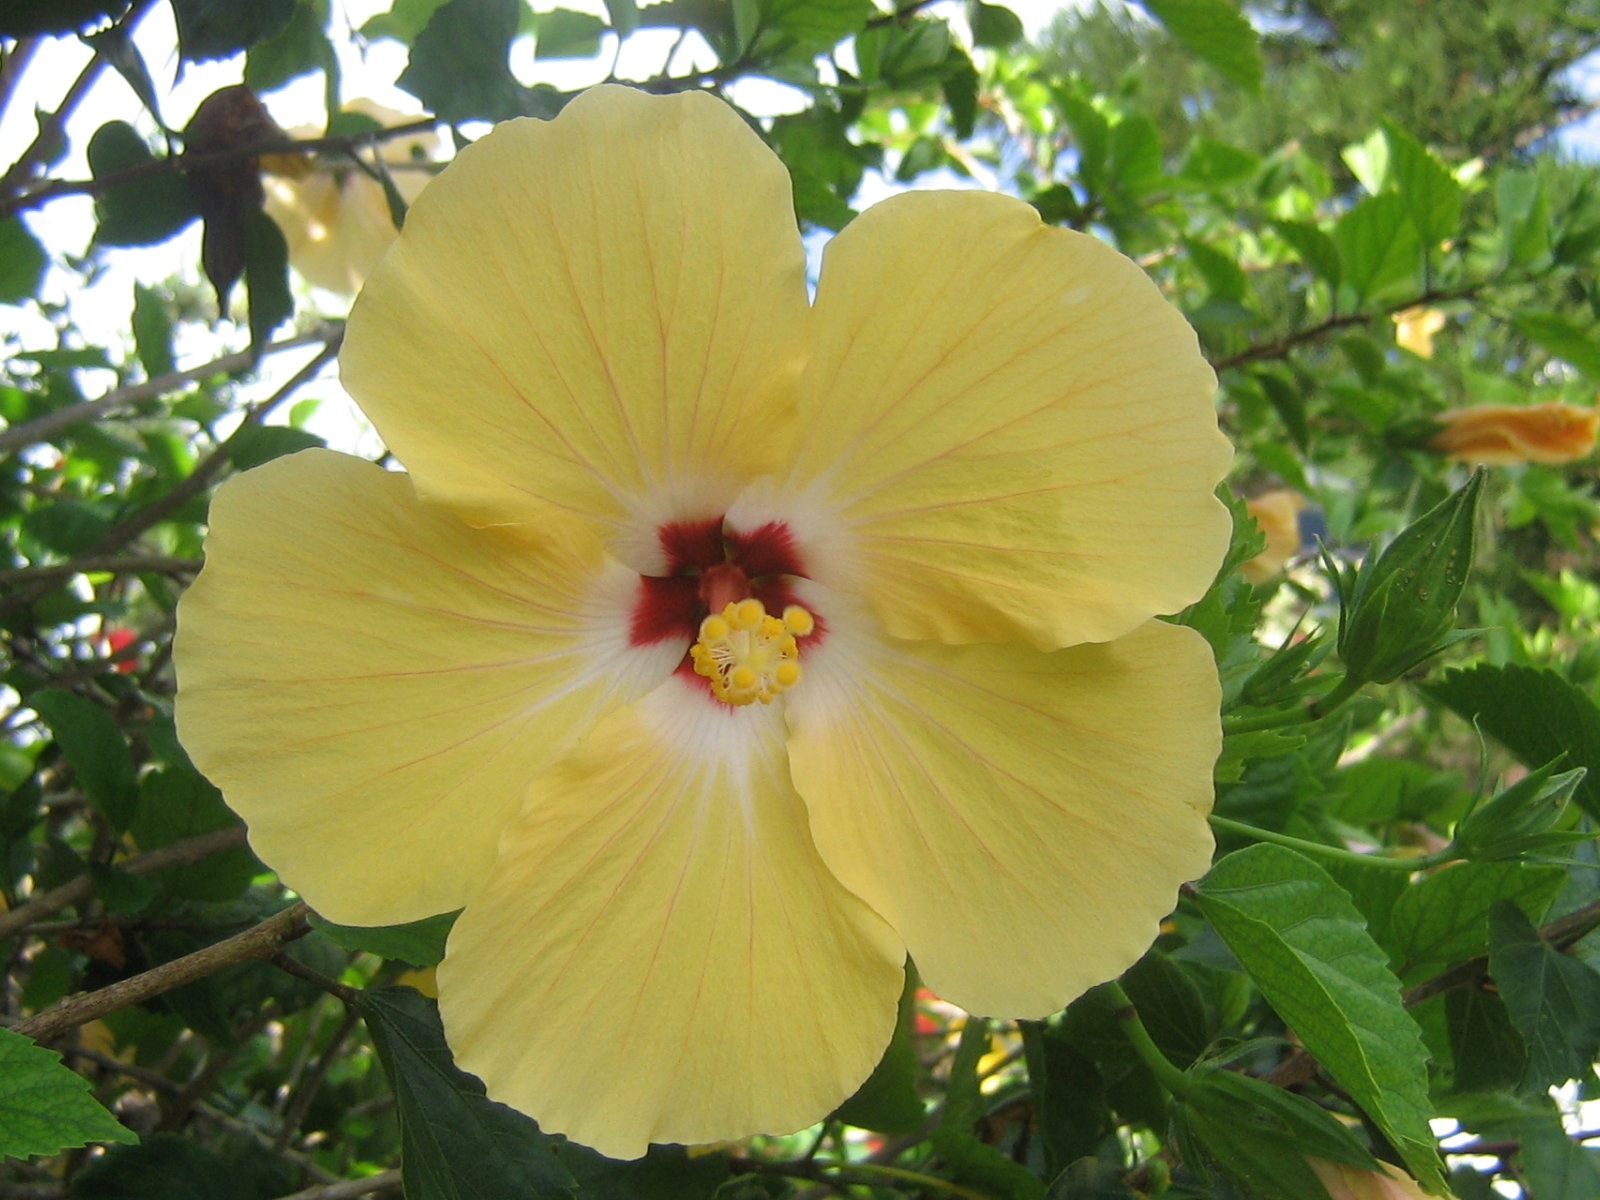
(404, 20)
(22, 262)
(994, 26)
(813, 25)
(1443, 918)
(1431, 195)
(562, 33)
(888, 1100)
(34, 18)
(1551, 998)
(1485, 1046)
(1315, 248)
(665, 1173)
(257, 444)
(1537, 715)
(460, 66)
(66, 526)
(624, 15)
(144, 211)
(175, 803)
(299, 48)
(210, 29)
(1377, 244)
(419, 943)
(45, 1106)
(1561, 338)
(1217, 33)
(968, 1159)
(1524, 214)
(1260, 1135)
(92, 743)
(455, 1143)
(1299, 937)
(1556, 1167)
(169, 1167)
(152, 331)
(266, 278)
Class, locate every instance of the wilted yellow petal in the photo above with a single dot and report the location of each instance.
(372, 683)
(659, 955)
(1023, 820)
(601, 314)
(1011, 428)
(1506, 434)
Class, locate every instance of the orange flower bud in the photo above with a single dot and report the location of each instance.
(1502, 434)
(1345, 1182)
(1277, 514)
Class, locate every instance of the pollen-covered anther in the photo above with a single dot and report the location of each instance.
(747, 655)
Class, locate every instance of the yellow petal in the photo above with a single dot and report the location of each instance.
(1023, 820)
(603, 313)
(1509, 434)
(659, 955)
(1012, 426)
(372, 684)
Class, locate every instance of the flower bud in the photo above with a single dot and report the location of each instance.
(1507, 434)
(1400, 609)
(1523, 818)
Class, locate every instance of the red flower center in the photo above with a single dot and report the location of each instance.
(709, 566)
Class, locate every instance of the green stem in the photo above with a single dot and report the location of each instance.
(1303, 715)
(1415, 862)
(927, 1182)
(1175, 1081)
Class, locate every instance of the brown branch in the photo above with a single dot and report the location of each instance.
(160, 564)
(197, 482)
(186, 162)
(43, 427)
(1281, 347)
(386, 1181)
(178, 854)
(263, 941)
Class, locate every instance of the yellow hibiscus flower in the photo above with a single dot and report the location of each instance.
(334, 216)
(929, 516)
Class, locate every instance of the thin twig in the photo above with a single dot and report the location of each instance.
(178, 854)
(160, 564)
(197, 482)
(263, 941)
(47, 426)
(183, 163)
(1281, 347)
(386, 1181)
(306, 1090)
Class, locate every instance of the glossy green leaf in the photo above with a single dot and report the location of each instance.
(1306, 947)
(1431, 195)
(455, 1143)
(45, 1106)
(1378, 245)
(1443, 917)
(92, 743)
(1217, 33)
(419, 943)
(1551, 998)
(1537, 715)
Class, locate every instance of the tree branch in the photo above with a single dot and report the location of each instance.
(178, 854)
(1281, 347)
(43, 427)
(113, 565)
(263, 941)
(386, 1181)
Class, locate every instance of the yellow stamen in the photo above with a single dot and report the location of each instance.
(748, 656)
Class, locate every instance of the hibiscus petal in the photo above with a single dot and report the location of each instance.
(659, 954)
(372, 683)
(601, 301)
(1007, 430)
(1023, 820)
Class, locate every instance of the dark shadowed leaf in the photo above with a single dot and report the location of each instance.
(1551, 998)
(210, 29)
